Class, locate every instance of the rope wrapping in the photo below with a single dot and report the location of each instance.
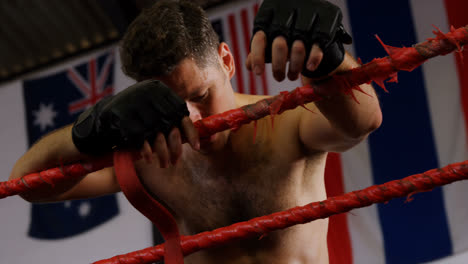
(258, 227)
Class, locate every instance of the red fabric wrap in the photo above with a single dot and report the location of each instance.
(145, 203)
(338, 237)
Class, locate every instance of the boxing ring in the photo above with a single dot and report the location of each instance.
(378, 70)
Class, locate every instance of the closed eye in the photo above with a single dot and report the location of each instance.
(200, 98)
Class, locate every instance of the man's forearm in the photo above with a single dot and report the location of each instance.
(355, 118)
(50, 151)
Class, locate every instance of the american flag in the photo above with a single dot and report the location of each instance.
(235, 28)
(51, 102)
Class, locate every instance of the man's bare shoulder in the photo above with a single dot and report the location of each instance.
(281, 131)
(245, 99)
(289, 117)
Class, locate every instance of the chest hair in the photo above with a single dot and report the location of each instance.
(234, 186)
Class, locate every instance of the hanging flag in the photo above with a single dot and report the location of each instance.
(423, 128)
(52, 102)
(234, 24)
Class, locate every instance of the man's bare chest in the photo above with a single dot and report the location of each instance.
(233, 189)
(248, 178)
(230, 187)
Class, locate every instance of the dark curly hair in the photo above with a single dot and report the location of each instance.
(165, 34)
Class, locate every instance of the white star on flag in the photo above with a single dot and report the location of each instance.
(44, 117)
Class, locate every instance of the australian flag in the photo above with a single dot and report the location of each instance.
(54, 101)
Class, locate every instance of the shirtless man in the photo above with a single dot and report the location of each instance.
(215, 182)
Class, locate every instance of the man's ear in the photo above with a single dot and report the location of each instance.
(227, 60)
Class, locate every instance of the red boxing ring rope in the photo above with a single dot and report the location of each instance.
(377, 70)
(257, 227)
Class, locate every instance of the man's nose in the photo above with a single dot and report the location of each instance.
(194, 112)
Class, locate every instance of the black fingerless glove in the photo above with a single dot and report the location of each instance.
(312, 21)
(128, 118)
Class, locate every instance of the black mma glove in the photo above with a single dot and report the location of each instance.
(129, 118)
(312, 21)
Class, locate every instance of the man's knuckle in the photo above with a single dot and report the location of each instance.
(298, 49)
(280, 44)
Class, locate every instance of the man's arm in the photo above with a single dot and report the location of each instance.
(309, 36)
(54, 149)
(145, 112)
(341, 121)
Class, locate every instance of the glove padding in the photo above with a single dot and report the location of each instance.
(312, 21)
(129, 118)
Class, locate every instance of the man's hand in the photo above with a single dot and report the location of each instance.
(295, 30)
(148, 111)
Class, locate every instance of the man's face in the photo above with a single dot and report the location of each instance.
(207, 91)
